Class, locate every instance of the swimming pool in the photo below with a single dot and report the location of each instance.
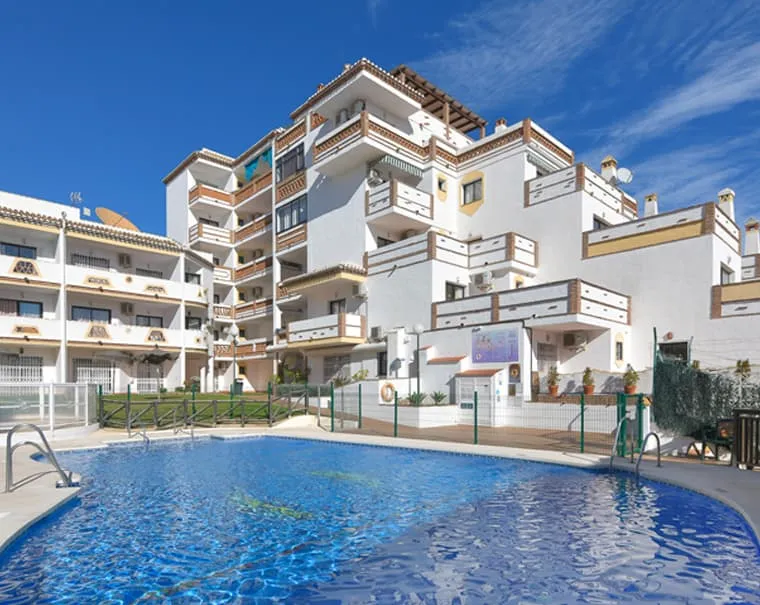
(266, 519)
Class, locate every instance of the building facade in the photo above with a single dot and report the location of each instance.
(385, 231)
(86, 302)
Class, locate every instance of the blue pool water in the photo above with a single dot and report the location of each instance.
(298, 521)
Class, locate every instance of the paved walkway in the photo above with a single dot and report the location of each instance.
(38, 496)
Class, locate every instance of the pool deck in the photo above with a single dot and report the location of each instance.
(37, 495)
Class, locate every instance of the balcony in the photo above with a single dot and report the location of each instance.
(327, 331)
(195, 340)
(252, 189)
(736, 300)
(260, 226)
(662, 228)
(31, 330)
(256, 349)
(26, 272)
(223, 274)
(209, 234)
(128, 286)
(568, 304)
(254, 309)
(254, 269)
(120, 336)
(751, 267)
(510, 251)
(291, 238)
(224, 313)
(396, 206)
(203, 194)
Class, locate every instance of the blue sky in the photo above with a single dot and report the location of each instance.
(105, 98)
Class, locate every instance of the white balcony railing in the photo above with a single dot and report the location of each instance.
(341, 325)
(102, 280)
(30, 328)
(223, 273)
(210, 234)
(31, 271)
(120, 334)
(399, 197)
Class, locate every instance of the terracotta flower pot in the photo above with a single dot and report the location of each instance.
(629, 389)
(588, 389)
(553, 390)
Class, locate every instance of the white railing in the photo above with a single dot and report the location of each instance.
(51, 406)
(117, 281)
(96, 333)
(651, 223)
(149, 385)
(29, 328)
(210, 233)
(400, 196)
(327, 326)
(46, 270)
(222, 274)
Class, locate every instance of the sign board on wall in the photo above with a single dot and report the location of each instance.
(496, 346)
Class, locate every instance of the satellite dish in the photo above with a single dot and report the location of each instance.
(114, 219)
(624, 175)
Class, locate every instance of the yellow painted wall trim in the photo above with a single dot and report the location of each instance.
(23, 342)
(335, 341)
(29, 284)
(749, 290)
(33, 226)
(473, 207)
(643, 240)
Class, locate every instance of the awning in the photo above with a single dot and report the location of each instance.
(389, 161)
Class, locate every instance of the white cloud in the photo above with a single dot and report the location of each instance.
(506, 50)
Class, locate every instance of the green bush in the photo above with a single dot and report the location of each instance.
(438, 397)
(416, 399)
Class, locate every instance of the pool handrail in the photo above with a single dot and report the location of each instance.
(617, 437)
(47, 451)
(643, 447)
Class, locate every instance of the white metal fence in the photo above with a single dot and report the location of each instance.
(50, 406)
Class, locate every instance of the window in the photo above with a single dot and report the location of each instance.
(291, 214)
(193, 278)
(193, 323)
(472, 192)
(149, 321)
(519, 283)
(726, 275)
(600, 224)
(241, 221)
(337, 306)
(208, 221)
(441, 184)
(541, 170)
(91, 314)
(93, 262)
(18, 250)
(454, 291)
(336, 365)
(382, 364)
(217, 299)
(217, 262)
(241, 259)
(618, 351)
(149, 273)
(242, 334)
(20, 308)
(241, 370)
(289, 164)
(381, 241)
(216, 334)
(241, 295)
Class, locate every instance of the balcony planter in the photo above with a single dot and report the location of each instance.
(552, 379)
(630, 380)
(588, 382)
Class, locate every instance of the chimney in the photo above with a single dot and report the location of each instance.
(726, 202)
(346, 66)
(752, 238)
(501, 125)
(650, 205)
(609, 168)
(320, 86)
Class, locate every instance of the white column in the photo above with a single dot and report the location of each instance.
(211, 380)
(183, 326)
(62, 315)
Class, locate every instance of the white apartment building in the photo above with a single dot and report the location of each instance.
(81, 301)
(376, 210)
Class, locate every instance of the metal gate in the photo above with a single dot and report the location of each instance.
(95, 371)
(17, 368)
(150, 378)
(465, 391)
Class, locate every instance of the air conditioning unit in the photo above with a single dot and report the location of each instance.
(483, 281)
(376, 333)
(342, 116)
(374, 178)
(258, 292)
(359, 291)
(127, 308)
(258, 253)
(125, 260)
(573, 340)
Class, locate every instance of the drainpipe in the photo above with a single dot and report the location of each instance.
(64, 351)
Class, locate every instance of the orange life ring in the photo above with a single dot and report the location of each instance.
(387, 392)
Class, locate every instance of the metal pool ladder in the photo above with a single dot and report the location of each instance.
(643, 447)
(66, 479)
(617, 438)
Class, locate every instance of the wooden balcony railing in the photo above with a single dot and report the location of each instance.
(291, 238)
(224, 312)
(258, 266)
(210, 233)
(204, 191)
(252, 188)
(260, 225)
(262, 307)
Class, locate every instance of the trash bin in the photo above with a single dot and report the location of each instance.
(237, 387)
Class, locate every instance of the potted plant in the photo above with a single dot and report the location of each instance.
(438, 397)
(588, 382)
(630, 380)
(552, 380)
